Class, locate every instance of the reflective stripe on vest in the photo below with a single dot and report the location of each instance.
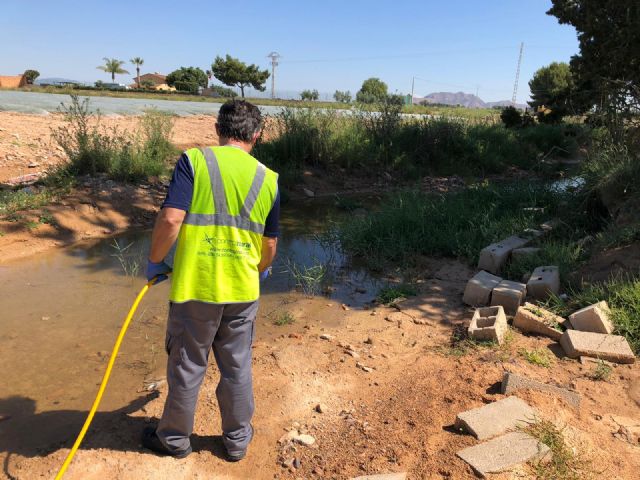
(220, 241)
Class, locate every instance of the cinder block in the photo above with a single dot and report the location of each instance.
(493, 257)
(594, 318)
(503, 453)
(495, 418)
(613, 348)
(533, 319)
(478, 290)
(512, 382)
(488, 324)
(549, 225)
(510, 295)
(520, 253)
(543, 282)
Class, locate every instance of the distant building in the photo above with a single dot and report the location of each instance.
(153, 81)
(16, 81)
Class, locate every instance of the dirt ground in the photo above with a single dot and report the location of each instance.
(396, 417)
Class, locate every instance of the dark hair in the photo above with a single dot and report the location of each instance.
(239, 120)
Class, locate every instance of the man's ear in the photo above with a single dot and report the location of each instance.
(217, 129)
(256, 136)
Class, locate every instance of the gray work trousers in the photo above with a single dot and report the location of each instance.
(193, 329)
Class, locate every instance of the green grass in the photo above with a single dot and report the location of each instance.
(622, 294)
(284, 318)
(538, 356)
(393, 293)
(459, 224)
(601, 371)
(309, 279)
(563, 463)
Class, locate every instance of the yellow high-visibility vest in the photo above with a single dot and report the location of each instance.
(220, 242)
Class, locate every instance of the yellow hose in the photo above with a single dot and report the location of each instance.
(105, 379)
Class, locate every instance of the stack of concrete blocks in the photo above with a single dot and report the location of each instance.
(537, 320)
(544, 281)
(496, 255)
(510, 295)
(594, 318)
(506, 448)
(478, 290)
(488, 324)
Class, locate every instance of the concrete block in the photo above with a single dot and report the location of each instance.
(503, 453)
(549, 225)
(383, 476)
(533, 319)
(594, 318)
(493, 257)
(495, 418)
(512, 382)
(613, 348)
(488, 324)
(520, 253)
(478, 290)
(510, 295)
(543, 282)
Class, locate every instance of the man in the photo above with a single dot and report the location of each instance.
(222, 207)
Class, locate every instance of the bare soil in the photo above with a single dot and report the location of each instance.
(396, 417)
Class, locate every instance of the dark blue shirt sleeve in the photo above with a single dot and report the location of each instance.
(181, 186)
(272, 224)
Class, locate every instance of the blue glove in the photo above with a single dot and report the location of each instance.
(264, 275)
(159, 270)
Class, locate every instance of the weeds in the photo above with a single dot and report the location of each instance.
(537, 356)
(601, 372)
(393, 293)
(129, 262)
(309, 279)
(563, 463)
(284, 318)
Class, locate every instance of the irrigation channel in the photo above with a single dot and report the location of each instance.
(62, 312)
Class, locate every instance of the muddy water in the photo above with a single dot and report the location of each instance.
(61, 313)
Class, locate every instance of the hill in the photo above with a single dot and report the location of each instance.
(460, 98)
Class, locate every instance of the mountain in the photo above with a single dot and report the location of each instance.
(460, 98)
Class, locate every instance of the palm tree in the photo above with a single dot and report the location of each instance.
(137, 61)
(112, 66)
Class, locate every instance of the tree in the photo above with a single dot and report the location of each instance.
(551, 87)
(607, 70)
(187, 79)
(233, 72)
(31, 75)
(310, 95)
(511, 117)
(342, 97)
(113, 66)
(373, 90)
(137, 61)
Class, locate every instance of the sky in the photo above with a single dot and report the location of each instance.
(451, 45)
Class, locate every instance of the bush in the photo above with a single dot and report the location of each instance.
(311, 95)
(126, 156)
(511, 117)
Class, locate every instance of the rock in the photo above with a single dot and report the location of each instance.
(594, 318)
(345, 307)
(22, 180)
(33, 165)
(626, 429)
(512, 382)
(45, 319)
(288, 437)
(297, 463)
(613, 348)
(503, 453)
(369, 341)
(364, 367)
(326, 336)
(288, 463)
(321, 408)
(477, 293)
(308, 193)
(495, 418)
(533, 319)
(304, 439)
(354, 354)
(383, 476)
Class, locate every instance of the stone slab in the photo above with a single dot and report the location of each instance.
(488, 324)
(533, 319)
(493, 257)
(495, 418)
(383, 476)
(503, 453)
(510, 295)
(543, 282)
(594, 318)
(477, 293)
(613, 348)
(512, 382)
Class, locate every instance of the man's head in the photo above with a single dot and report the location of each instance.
(239, 121)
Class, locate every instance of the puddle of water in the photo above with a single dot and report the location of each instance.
(62, 313)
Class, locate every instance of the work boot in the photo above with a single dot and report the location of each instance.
(151, 441)
(236, 457)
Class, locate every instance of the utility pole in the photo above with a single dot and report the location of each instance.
(515, 85)
(413, 81)
(274, 56)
